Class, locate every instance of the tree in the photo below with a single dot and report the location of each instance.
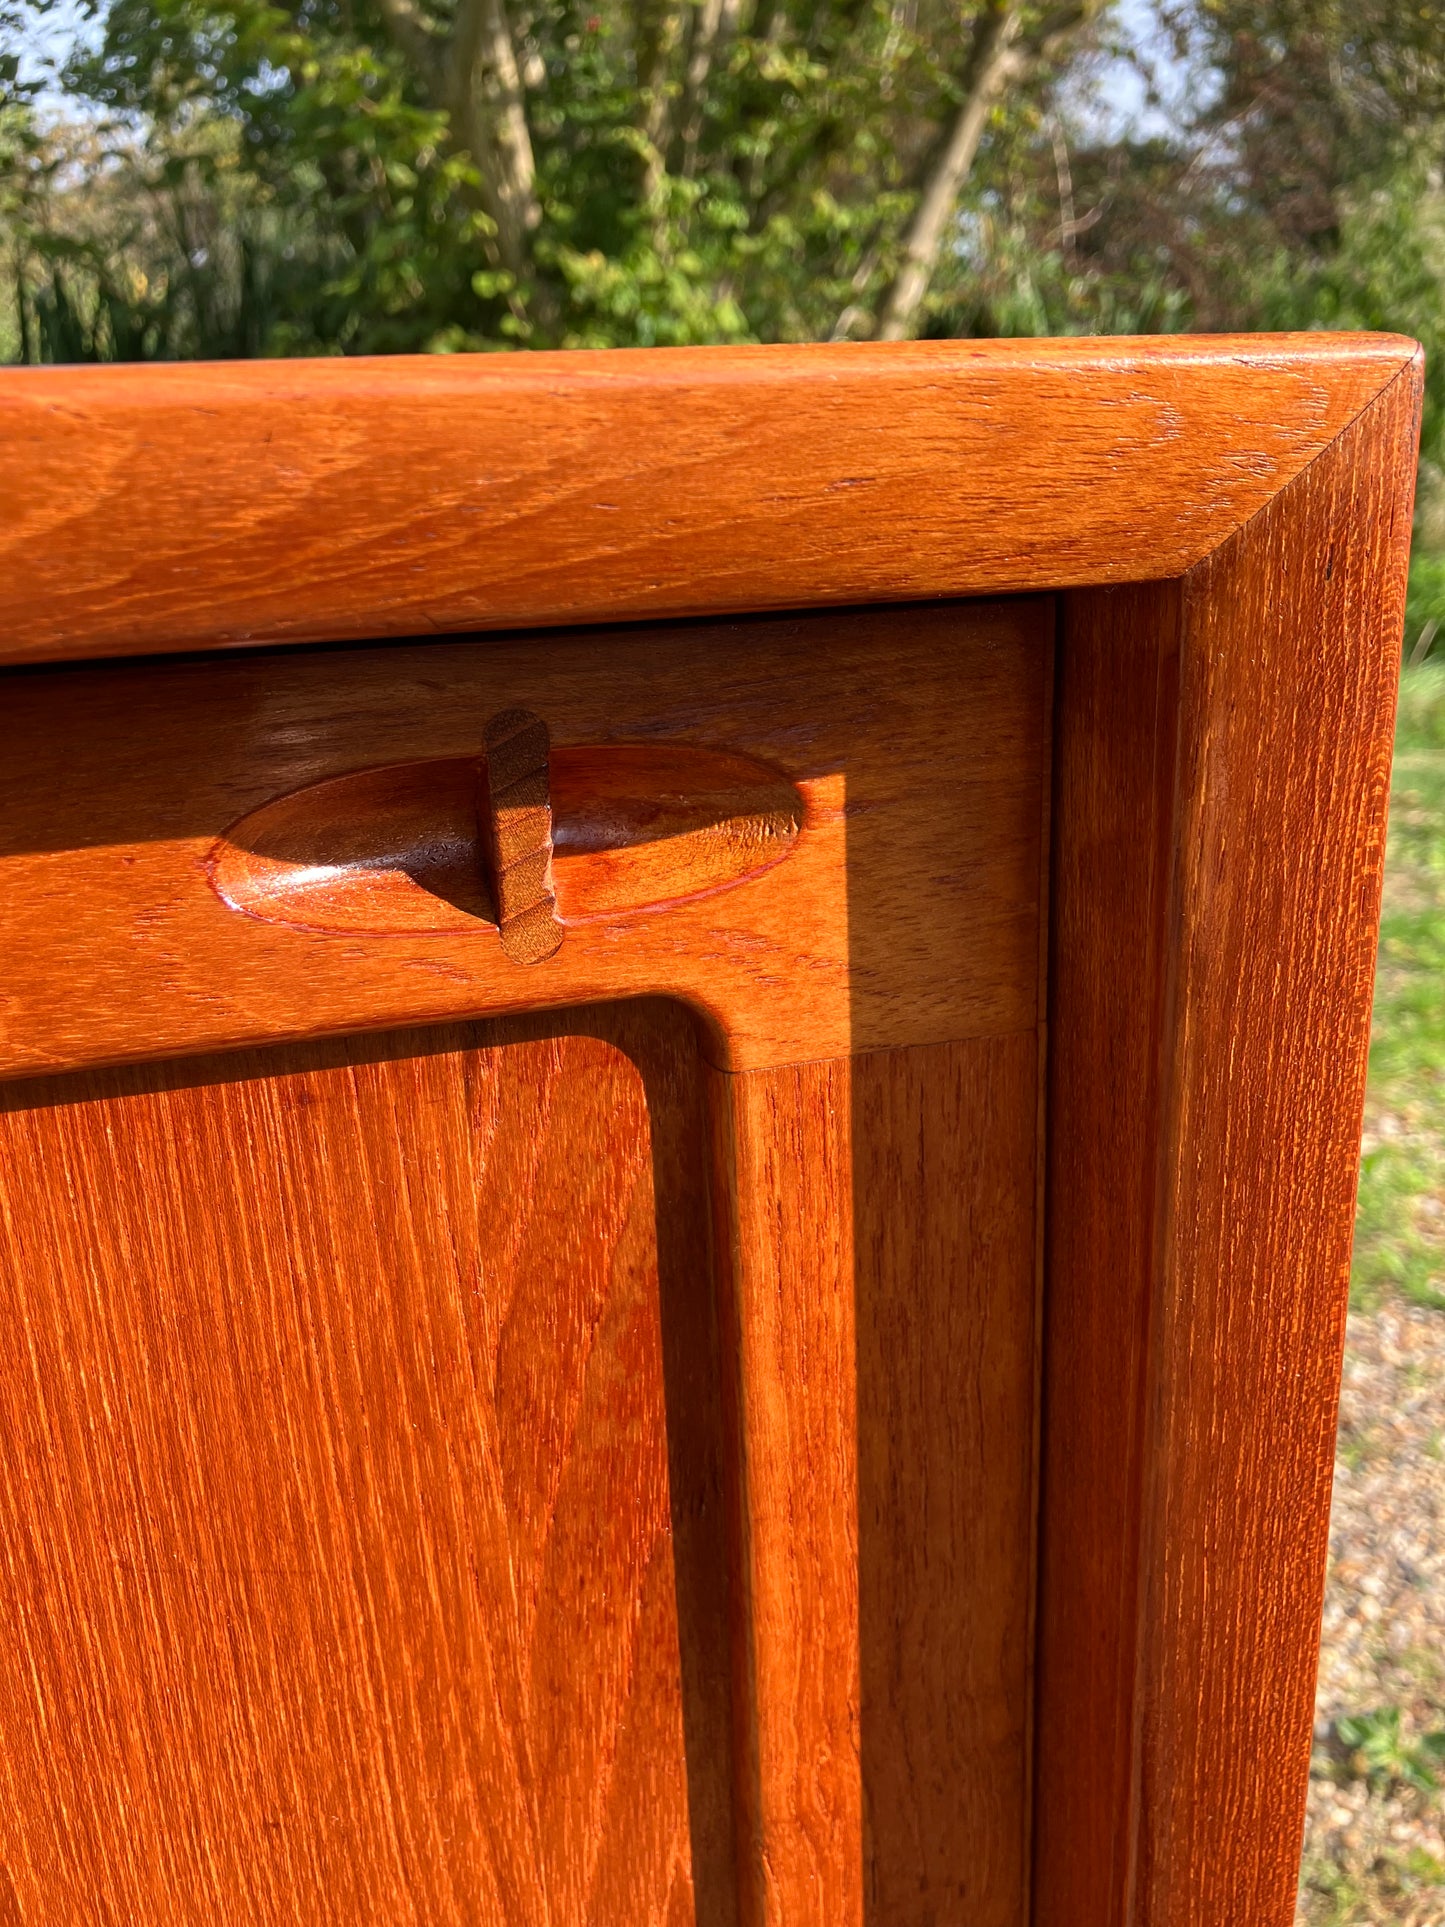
(378, 174)
(1288, 175)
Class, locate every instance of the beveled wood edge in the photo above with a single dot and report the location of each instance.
(1182, 1593)
(209, 506)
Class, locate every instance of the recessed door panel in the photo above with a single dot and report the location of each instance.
(342, 1538)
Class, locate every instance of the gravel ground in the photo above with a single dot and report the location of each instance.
(1375, 1843)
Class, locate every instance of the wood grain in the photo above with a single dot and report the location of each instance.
(635, 826)
(1249, 833)
(359, 1406)
(783, 1190)
(364, 1400)
(945, 1157)
(1109, 940)
(188, 507)
(514, 804)
(581, 1468)
(906, 910)
(1273, 971)
(880, 1292)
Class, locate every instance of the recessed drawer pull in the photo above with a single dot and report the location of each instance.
(578, 834)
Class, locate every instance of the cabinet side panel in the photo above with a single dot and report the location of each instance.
(1219, 842)
(358, 1410)
(1288, 670)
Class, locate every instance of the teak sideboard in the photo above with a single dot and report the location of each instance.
(683, 1038)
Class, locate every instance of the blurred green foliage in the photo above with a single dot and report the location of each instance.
(306, 179)
(264, 177)
(1375, 1747)
(1425, 605)
(1400, 1223)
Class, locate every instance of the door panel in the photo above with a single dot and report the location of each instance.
(336, 1486)
(574, 1463)
(945, 1230)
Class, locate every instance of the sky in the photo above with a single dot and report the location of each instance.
(46, 41)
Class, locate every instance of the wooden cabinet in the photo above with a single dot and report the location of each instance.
(683, 1039)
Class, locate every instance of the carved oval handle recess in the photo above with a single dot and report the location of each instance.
(416, 848)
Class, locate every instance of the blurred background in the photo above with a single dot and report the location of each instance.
(218, 178)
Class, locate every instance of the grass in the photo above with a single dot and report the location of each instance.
(1385, 1893)
(1373, 1746)
(1400, 1254)
(1400, 1224)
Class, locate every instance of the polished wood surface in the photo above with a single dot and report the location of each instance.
(881, 1293)
(945, 1227)
(146, 809)
(191, 507)
(869, 787)
(1223, 770)
(359, 1439)
(302, 1342)
(1113, 795)
(404, 847)
(1274, 964)
(391, 1537)
(514, 811)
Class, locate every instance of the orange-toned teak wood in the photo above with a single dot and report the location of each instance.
(689, 1271)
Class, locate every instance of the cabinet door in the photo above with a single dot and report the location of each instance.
(519, 1225)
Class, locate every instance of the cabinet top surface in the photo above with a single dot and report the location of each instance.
(212, 506)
